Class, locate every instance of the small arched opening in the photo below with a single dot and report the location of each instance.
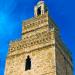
(28, 63)
(39, 11)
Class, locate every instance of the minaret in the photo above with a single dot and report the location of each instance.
(41, 50)
(40, 8)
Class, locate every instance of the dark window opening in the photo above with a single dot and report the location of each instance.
(39, 11)
(28, 63)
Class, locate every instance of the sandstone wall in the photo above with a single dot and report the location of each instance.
(42, 62)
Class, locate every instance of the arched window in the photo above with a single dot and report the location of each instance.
(28, 63)
(39, 11)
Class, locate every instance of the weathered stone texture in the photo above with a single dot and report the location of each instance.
(43, 62)
(41, 41)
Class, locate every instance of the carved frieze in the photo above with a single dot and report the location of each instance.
(39, 38)
(27, 26)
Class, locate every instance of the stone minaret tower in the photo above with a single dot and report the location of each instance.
(40, 51)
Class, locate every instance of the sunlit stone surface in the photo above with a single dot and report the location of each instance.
(41, 42)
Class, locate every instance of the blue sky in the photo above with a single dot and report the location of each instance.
(13, 12)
